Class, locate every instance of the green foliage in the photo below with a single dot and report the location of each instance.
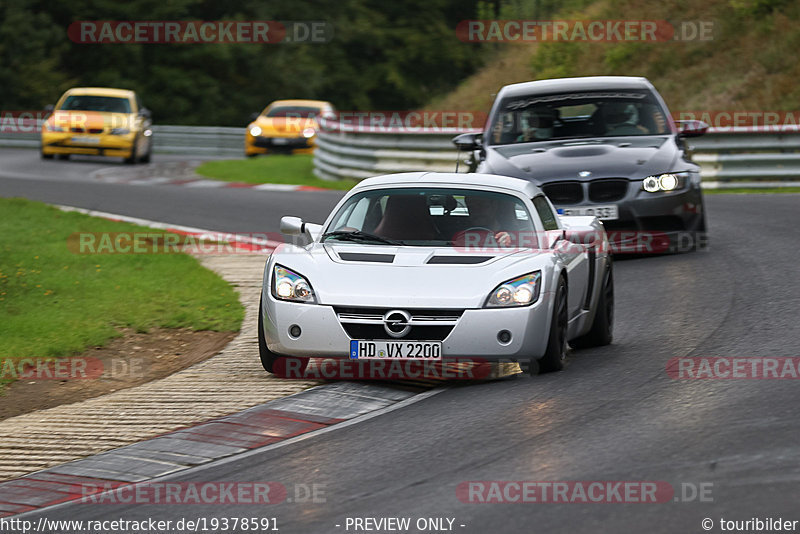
(382, 56)
(556, 59)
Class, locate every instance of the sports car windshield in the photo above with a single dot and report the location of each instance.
(109, 104)
(297, 112)
(428, 217)
(577, 115)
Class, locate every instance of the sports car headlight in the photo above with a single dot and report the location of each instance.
(309, 132)
(520, 291)
(669, 181)
(120, 131)
(288, 285)
(255, 131)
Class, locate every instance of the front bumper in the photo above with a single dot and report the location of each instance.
(86, 143)
(474, 335)
(667, 214)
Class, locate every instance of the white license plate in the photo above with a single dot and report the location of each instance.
(86, 140)
(280, 141)
(395, 350)
(604, 213)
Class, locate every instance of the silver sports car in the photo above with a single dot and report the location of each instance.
(438, 266)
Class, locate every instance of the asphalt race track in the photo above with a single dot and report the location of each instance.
(23, 174)
(613, 415)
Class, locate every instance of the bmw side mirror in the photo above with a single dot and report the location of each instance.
(144, 112)
(253, 117)
(691, 128)
(468, 141)
(48, 110)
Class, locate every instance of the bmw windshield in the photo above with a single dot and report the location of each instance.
(524, 119)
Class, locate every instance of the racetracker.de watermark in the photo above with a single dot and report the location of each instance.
(181, 493)
(581, 492)
(383, 369)
(589, 31)
(73, 368)
(733, 368)
(396, 121)
(199, 32)
(145, 242)
(743, 121)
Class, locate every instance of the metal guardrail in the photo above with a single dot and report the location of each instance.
(204, 140)
(730, 157)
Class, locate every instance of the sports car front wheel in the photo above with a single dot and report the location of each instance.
(602, 329)
(556, 354)
(275, 363)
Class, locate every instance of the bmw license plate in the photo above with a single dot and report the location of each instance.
(399, 350)
(609, 212)
(86, 140)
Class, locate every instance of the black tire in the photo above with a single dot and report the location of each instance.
(701, 234)
(46, 156)
(270, 360)
(133, 157)
(146, 158)
(602, 331)
(63, 157)
(556, 354)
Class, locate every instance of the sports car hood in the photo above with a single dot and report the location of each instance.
(618, 157)
(407, 277)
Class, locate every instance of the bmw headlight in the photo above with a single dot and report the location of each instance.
(288, 285)
(120, 131)
(309, 132)
(255, 131)
(669, 181)
(520, 291)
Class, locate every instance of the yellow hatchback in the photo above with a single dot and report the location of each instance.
(98, 121)
(285, 126)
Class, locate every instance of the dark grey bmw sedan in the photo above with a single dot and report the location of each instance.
(601, 145)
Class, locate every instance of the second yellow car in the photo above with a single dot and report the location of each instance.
(286, 126)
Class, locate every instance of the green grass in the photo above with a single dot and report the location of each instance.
(750, 190)
(271, 169)
(56, 303)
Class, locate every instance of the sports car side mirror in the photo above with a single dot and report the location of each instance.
(295, 227)
(691, 128)
(553, 237)
(144, 112)
(253, 117)
(468, 141)
(292, 225)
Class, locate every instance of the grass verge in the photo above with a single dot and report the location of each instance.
(271, 169)
(56, 303)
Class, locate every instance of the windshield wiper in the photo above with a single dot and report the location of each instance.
(358, 235)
